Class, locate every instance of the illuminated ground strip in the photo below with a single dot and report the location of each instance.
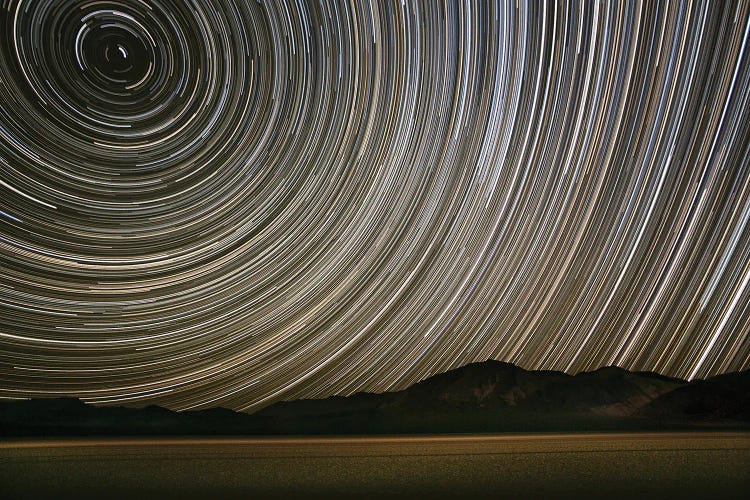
(209, 203)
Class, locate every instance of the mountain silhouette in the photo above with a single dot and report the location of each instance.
(724, 397)
(490, 396)
(487, 396)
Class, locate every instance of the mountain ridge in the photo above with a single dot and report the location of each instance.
(489, 396)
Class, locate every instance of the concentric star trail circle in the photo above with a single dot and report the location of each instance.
(226, 203)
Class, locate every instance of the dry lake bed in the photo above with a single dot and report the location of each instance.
(629, 465)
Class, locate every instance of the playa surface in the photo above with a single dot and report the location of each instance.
(715, 464)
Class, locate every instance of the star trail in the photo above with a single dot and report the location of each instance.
(227, 203)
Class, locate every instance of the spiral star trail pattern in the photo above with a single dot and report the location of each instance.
(227, 203)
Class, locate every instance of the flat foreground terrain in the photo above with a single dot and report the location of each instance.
(692, 465)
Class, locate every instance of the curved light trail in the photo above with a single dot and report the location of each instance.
(226, 203)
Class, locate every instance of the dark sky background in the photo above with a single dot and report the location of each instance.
(226, 203)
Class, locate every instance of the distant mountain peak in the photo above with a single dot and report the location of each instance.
(607, 369)
(487, 396)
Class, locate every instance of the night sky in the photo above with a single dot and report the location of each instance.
(227, 203)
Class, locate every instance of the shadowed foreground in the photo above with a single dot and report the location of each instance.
(713, 465)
